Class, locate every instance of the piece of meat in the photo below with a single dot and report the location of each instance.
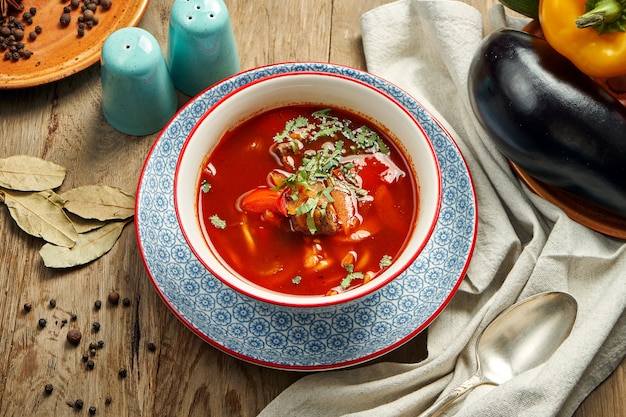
(285, 154)
(330, 217)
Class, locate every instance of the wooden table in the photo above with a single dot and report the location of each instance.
(182, 376)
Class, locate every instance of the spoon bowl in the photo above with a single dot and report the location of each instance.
(521, 338)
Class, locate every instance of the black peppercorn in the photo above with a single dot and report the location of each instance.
(42, 322)
(100, 344)
(28, 307)
(65, 19)
(126, 302)
(108, 400)
(97, 305)
(85, 357)
(52, 303)
(90, 364)
(96, 326)
(33, 11)
(38, 30)
(122, 373)
(74, 317)
(92, 410)
(48, 388)
(151, 347)
(79, 404)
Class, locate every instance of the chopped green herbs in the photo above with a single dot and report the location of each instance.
(326, 165)
(345, 283)
(205, 187)
(385, 261)
(217, 222)
(296, 280)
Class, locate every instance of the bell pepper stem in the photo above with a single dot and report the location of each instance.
(605, 11)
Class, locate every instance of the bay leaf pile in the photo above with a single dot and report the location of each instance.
(78, 225)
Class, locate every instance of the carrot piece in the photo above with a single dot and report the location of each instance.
(261, 200)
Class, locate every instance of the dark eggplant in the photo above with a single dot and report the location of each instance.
(550, 119)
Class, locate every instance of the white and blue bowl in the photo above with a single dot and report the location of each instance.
(302, 333)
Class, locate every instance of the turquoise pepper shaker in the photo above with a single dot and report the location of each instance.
(201, 46)
(138, 95)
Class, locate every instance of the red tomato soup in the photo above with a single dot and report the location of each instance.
(307, 200)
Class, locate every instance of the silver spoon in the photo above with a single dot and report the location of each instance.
(522, 337)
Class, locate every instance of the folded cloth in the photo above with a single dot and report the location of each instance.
(525, 245)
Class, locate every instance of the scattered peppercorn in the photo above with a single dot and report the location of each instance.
(122, 373)
(114, 297)
(74, 336)
(28, 307)
(97, 305)
(52, 303)
(105, 4)
(74, 317)
(151, 347)
(96, 326)
(90, 364)
(79, 404)
(48, 388)
(100, 344)
(85, 357)
(38, 30)
(19, 34)
(126, 302)
(92, 352)
(93, 346)
(92, 410)
(42, 322)
(65, 19)
(108, 400)
(33, 11)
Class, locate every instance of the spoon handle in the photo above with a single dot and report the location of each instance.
(448, 399)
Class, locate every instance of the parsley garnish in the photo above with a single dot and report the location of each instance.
(217, 222)
(205, 187)
(385, 261)
(296, 280)
(345, 283)
(325, 165)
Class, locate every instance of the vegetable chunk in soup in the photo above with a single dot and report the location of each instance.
(307, 201)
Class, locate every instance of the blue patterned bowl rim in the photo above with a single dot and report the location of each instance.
(293, 338)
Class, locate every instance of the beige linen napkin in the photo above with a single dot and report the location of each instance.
(525, 246)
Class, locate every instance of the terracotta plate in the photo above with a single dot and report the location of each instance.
(58, 52)
(581, 211)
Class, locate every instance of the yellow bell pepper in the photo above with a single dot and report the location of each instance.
(590, 35)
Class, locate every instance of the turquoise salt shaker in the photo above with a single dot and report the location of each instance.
(201, 45)
(138, 95)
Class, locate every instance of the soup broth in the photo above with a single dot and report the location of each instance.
(307, 200)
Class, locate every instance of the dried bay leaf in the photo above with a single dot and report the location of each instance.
(29, 173)
(101, 202)
(88, 247)
(84, 225)
(40, 214)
